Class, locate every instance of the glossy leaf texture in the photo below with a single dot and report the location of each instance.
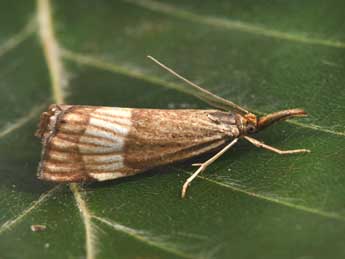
(264, 55)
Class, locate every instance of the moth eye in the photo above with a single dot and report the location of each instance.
(251, 128)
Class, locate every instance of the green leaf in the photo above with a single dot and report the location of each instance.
(263, 55)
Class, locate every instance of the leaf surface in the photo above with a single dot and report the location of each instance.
(266, 56)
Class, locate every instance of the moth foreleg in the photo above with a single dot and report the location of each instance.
(260, 144)
(204, 165)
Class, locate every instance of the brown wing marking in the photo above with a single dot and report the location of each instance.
(159, 137)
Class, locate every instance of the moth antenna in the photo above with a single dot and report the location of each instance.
(203, 94)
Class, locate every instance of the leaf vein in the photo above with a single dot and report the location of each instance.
(20, 122)
(276, 200)
(34, 205)
(228, 24)
(51, 49)
(144, 237)
(90, 230)
(18, 38)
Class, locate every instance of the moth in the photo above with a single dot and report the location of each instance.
(92, 143)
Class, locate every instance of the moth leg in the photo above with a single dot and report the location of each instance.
(204, 165)
(273, 149)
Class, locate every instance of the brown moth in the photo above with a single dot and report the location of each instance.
(92, 143)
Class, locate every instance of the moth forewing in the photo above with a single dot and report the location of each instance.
(85, 143)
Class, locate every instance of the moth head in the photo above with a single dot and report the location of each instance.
(249, 124)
